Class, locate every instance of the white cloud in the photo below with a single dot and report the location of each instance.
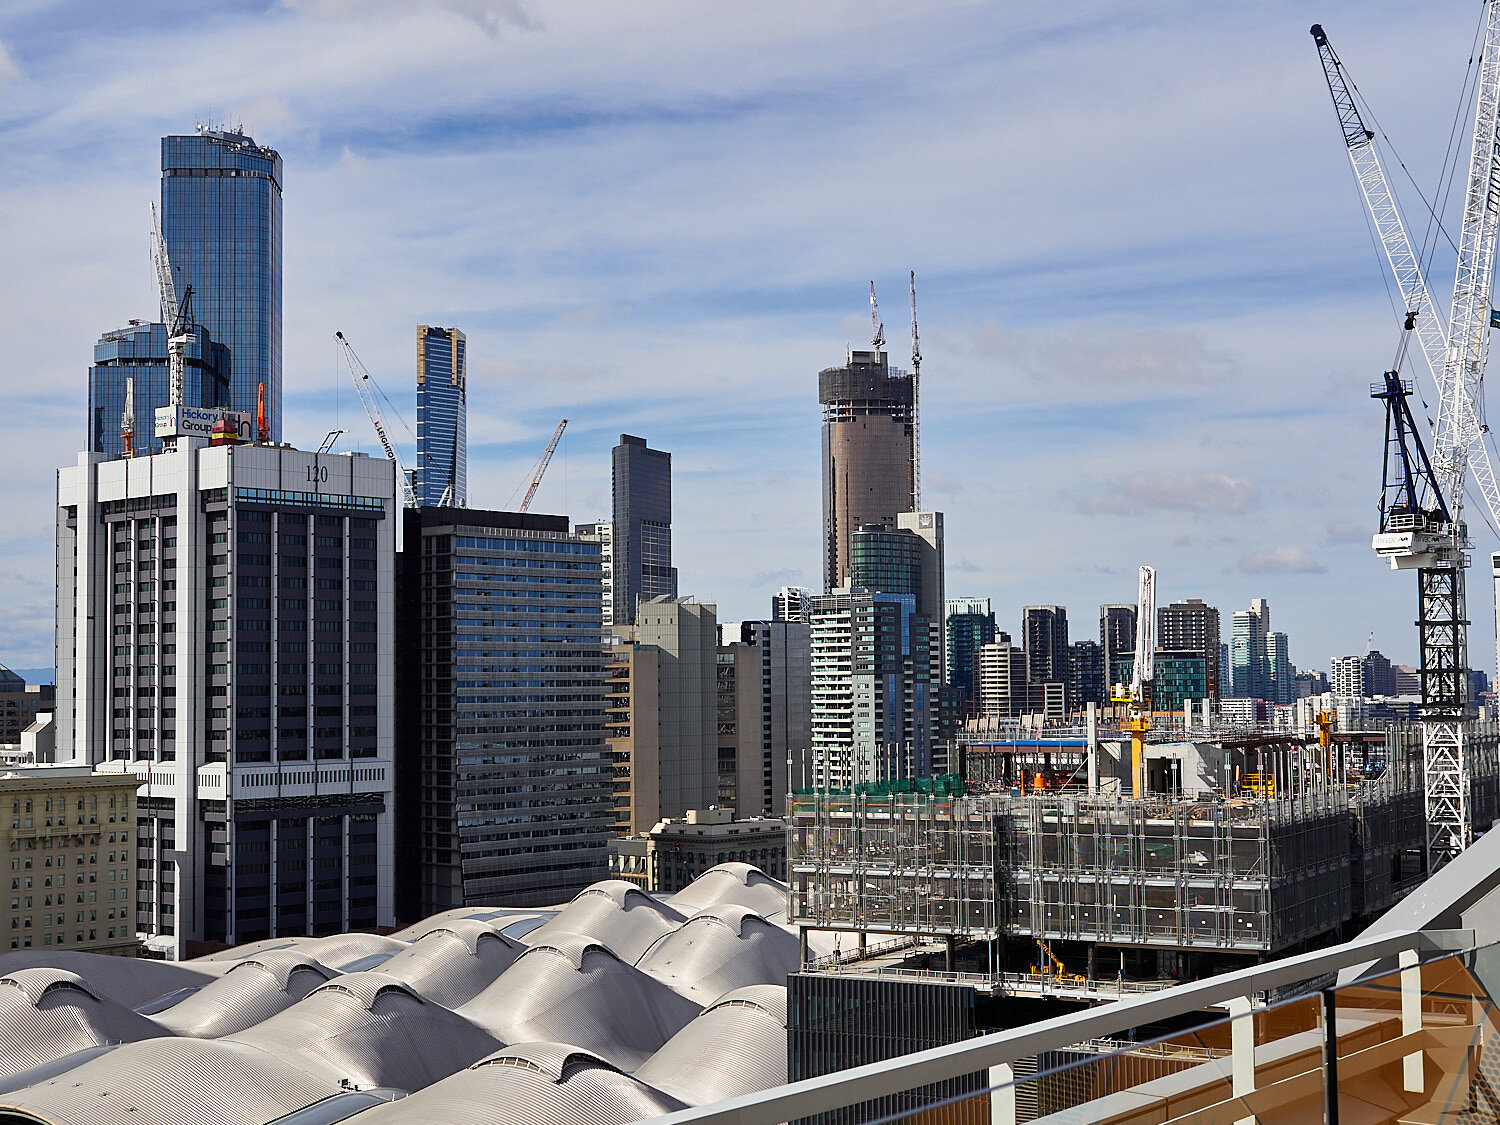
(1281, 560)
(9, 71)
(1198, 494)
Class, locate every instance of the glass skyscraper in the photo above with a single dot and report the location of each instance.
(442, 417)
(642, 487)
(139, 352)
(221, 218)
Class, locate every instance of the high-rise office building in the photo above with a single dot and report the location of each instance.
(971, 623)
(790, 603)
(1379, 676)
(765, 714)
(867, 454)
(641, 481)
(505, 785)
(221, 219)
(224, 630)
(1249, 666)
(20, 703)
(1044, 632)
(1000, 680)
(1178, 678)
(872, 704)
(932, 591)
(1279, 670)
(1116, 638)
(442, 472)
(1191, 626)
(137, 353)
(661, 704)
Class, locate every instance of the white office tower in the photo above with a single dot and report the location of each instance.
(225, 626)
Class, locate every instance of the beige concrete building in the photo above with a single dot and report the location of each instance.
(867, 453)
(70, 839)
(660, 712)
(676, 851)
(764, 714)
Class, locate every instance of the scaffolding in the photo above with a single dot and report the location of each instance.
(1242, 875)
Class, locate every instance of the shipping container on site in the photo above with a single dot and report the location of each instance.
(1244, 875)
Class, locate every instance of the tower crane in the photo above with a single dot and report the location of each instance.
(1421, 525)
(541, 467)
(1137, 697)
(127, 419)
(877, 330)
(176, 314)
(361, 376)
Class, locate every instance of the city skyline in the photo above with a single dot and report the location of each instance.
(1050, 439)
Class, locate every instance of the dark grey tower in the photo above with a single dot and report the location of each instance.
(642, 485)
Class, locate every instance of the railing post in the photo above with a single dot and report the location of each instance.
(1412, 1076)
(1242, 1050)
(1002, 1094)
(1330, 1057)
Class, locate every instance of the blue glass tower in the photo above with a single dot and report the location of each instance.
(442, 417)
(139, 351)
(221, 218)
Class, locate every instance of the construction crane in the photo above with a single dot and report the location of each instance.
(541, 466)
(362, 383)
(916, 403)
(877, 330)
(127, 419)
(176, 314)
(1137, 697)
(1422, 527)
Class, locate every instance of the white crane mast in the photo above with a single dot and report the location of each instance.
(1144, 668)
(361, 376)
(174, 314)
(916, 404)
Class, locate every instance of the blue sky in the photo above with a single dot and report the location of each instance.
(1150, 307)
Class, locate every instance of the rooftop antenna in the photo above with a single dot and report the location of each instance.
(916, 403)
(877, 340)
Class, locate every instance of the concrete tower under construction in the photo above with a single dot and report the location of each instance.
(867, 453)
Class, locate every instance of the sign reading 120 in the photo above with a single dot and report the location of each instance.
(318, 473)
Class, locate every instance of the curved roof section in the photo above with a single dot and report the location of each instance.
(736, 1047)
(373, 1030)
(619, 914)
(171, 1082)
(455, 963)
(573, 990)
(130, 981)
(253, 990)
(498, 917)
(534, 1084)
(738, 883)
(335, 951)
(48, 1014)
(721, 949)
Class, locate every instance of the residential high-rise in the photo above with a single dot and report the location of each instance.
(971, 623)
(442, 472)
(932, 591)
(1346, 677)
(603, 533)
(1279, 685)
(1191, 626)
(1178, 678)
(505, 784)
(224, 630)
(886, 559)
(1249, 667)
(1116, 638)
(1086, 683)
(871, 687)
(1044, 632)
(867, 454)
(1000, 680)
(138, 353)
(672, 751)
(764, 714)
(642, 487)
(221, 219)
(790, 603)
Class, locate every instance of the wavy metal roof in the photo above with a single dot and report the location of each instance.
(723, 948)
(251, 991)
(737, 1046)
(371, 1030)
(304, 1026)
(171, 1082)
(454, 963)
(574, 990)
(737, 883)
(615, 913)
(48, 1014)
(534, 1084)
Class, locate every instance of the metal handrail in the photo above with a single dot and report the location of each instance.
(829, 1092)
